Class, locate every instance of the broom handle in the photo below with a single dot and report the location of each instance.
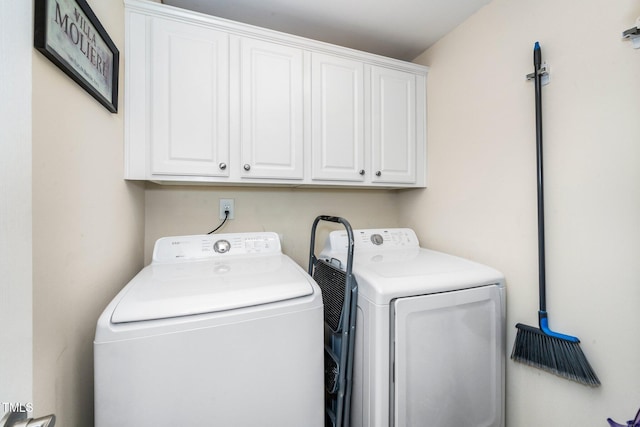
(541, 244)
(542, 313)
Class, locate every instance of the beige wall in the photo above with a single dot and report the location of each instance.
(481, 198)
(287, 211)
(87, 229)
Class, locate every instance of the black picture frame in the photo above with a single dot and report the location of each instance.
(71, 36)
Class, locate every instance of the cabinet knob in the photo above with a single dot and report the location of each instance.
(247, 166)
(361, 172)
(378, 173)
(222, 166)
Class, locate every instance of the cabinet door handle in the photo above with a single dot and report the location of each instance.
(222, 166)
(378, 173)
(361, 172)
(247, 167)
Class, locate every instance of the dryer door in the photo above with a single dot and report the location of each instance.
(449, 359)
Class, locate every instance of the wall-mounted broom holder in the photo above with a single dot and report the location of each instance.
(543, 72)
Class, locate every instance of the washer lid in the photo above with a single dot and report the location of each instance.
(162, 291)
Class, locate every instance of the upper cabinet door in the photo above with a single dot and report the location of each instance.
(337, 118)
(393, 125)
(271, 110)
(189, 100)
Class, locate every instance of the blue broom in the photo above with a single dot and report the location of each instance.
(541, 347)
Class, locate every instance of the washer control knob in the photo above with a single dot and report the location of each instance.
(377, 239)
(222, 246)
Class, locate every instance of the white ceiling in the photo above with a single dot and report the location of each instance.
(396, 28)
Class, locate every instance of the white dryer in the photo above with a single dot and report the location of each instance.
(430, 334)
(219, 330)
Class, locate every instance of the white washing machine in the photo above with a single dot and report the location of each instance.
(219, 330)
(430, 334)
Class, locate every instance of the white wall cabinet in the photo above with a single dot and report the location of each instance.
(337, 118)
(213, 101)
(393, 126)
(189, 100)
(271, 110)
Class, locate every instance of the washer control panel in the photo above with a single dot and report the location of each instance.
(373, 239)
(177, 248)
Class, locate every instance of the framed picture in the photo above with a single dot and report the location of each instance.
(70, 35)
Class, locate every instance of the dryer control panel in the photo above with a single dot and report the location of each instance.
(185, 248)
(373, 239)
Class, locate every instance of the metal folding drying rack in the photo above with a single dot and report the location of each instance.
(339, 295)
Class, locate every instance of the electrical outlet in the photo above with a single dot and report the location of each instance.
(227, 205)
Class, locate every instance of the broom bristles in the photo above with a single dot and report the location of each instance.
(552, 354)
